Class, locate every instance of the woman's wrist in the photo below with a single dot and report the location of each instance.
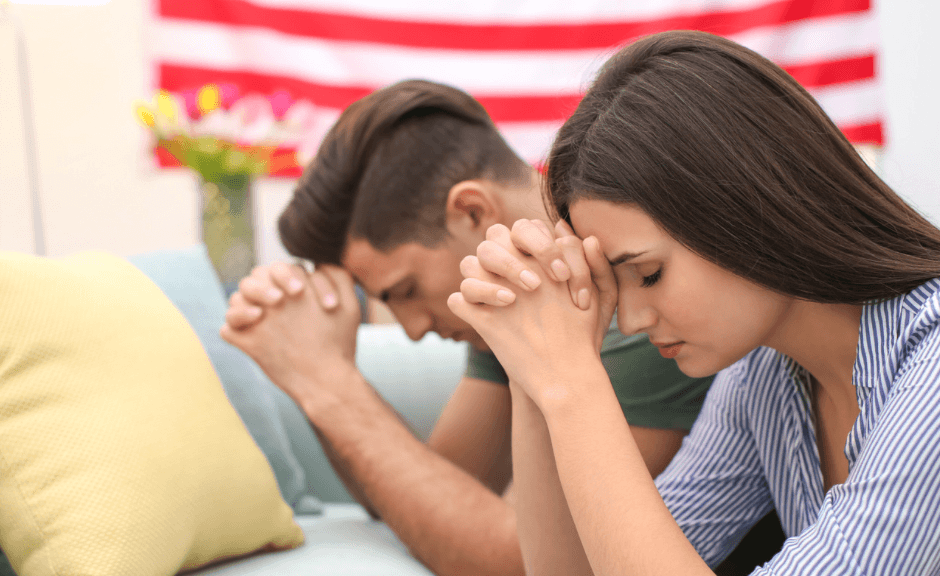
(578, 382)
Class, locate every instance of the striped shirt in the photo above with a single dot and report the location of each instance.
(754, 448)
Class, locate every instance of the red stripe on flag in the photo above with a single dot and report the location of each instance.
(517, 108)
(284, 164)
(514, 108)
(872, 133)
(820, 74)
(495, 37)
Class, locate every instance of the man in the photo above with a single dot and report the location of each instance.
(403, 187)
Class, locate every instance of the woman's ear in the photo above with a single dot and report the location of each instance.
(472, 207)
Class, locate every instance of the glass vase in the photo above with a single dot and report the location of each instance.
(228, 227)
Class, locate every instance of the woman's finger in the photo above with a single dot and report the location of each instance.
(579, 284)
(563, 229)
(463, 309)
(499, 233)
(538, 241)
(544, 227)
(603, 276)
(495, 258)
(476, 291)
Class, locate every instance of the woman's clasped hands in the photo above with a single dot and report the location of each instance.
(541, 298)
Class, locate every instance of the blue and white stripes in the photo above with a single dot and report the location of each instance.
(754, 447)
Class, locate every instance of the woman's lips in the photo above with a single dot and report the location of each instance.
(670, 350)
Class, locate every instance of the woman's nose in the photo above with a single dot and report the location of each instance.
(634, 313)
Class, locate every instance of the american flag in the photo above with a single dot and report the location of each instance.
(527, 61)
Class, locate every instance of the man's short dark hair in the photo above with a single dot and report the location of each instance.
(383, 171)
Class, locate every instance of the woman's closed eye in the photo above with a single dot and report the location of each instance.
(653, 278)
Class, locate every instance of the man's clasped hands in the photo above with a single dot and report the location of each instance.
(536, 294)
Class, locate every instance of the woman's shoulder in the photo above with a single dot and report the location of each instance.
(920, 318)
(922, 304)
(762, 367)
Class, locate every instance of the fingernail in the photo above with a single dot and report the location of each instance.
(530, 279)
(274, 294)
(329, 300)
(506, 296)
(584, 298)
(561, 270)
(295, 285)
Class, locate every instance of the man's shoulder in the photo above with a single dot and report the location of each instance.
(483, 365)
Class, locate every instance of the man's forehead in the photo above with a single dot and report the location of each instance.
(374, 269)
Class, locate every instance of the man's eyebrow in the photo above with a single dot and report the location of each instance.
(626, 257)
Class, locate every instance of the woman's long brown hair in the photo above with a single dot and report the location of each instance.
(735, 160)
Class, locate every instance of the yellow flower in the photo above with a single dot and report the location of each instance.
(208, 98)
(145, 116)
(166, 106)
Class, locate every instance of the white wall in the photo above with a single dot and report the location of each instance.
(101, 192)
(86, 65)
(910, 64)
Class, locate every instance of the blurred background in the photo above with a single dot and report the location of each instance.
(872, 63)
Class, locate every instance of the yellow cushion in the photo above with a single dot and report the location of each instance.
(119, 452)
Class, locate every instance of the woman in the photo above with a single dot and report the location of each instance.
(729, 219)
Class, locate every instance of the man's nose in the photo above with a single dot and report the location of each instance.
(416, 325)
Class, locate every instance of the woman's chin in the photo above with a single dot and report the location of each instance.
(695, 369)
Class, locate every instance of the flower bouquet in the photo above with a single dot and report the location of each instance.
(229, 140)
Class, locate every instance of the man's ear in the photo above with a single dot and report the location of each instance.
(472, 207)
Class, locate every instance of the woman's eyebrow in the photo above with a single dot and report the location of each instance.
(625, 257)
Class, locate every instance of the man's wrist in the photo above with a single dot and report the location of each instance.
(330, 387)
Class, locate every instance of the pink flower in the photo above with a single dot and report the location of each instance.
(280, 103)
(255, 120)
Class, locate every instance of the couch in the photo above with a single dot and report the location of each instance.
(339, 537)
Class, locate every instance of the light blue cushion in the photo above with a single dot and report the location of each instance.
(340, 542)
(416, 378)
(186, 276)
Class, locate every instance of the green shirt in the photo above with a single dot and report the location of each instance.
(653, 392)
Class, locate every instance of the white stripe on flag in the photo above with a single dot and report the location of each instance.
(482, 73)
(851, 103)
(817, 39)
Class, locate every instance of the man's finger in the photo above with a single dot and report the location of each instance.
(343, 282)
(324, 289)
(241, 314)
(288, 278)
(259, 289)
